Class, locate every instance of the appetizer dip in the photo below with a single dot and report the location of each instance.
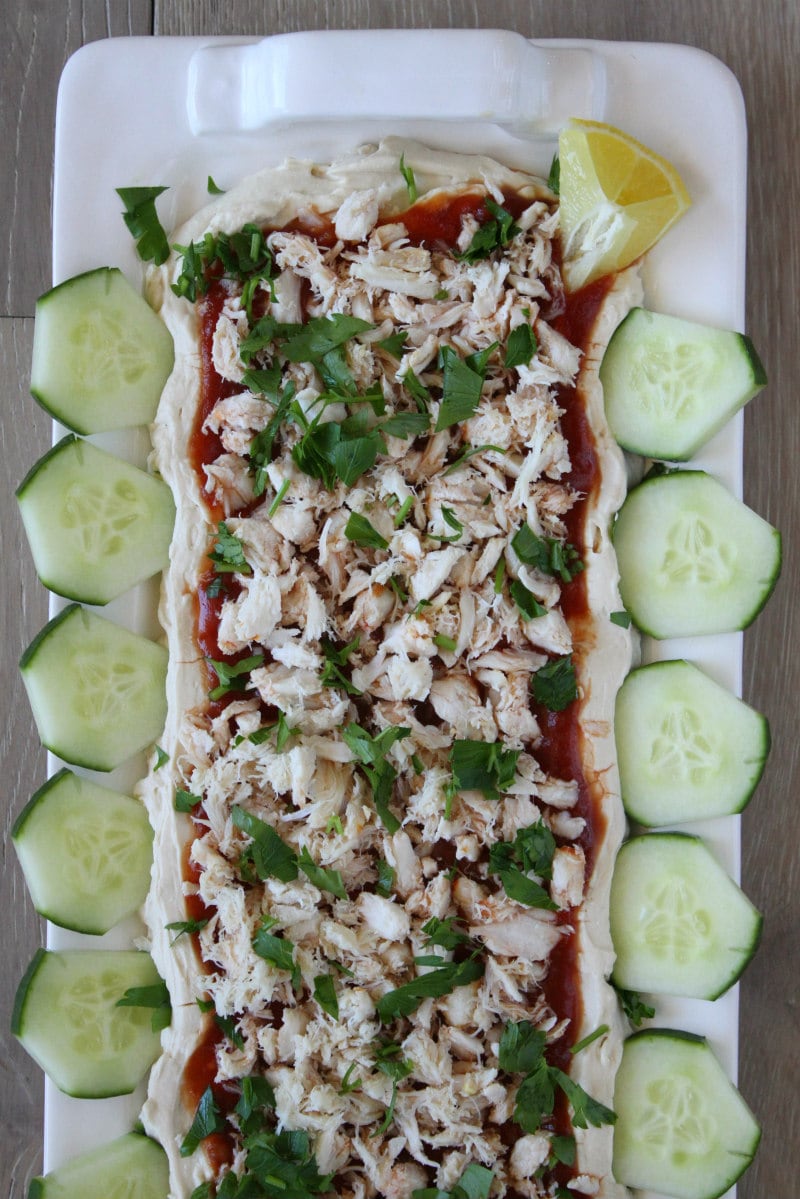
(387, 825)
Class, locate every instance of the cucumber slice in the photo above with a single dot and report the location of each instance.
(692, 558)
(101, 356)
(66, 1016)
(131, 1167)
(682, 1127)
(670, 384)
(687, 748)
(679, 923)
(85, 851)
(97, 691)
(96, 525)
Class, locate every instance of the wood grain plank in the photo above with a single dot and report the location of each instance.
(23, 612)
(38, 38)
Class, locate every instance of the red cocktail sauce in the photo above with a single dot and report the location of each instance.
(560, 751)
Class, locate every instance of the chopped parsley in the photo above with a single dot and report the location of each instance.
(370, 752)
(278, 951)
(321, 876)
(262, 445)
(325, 995)
(182, 928)
(525, 600)
(554, 177)
(521, 346)
(469, 451)
(622, 618)
(155, 997)
(244, 256)
(474, 1183)
(228, 552)
(269, 853)
(227, 1026)
(207, 1120)
(555, 685)
(389, 1062)
(385, 884)
(186, 802)
(359, 530)
(634, 1007)
(548, 555)
(587, 1040)
(531, 852)
(394, 345)
(230, 674)
(142, 220)
(441, 980)
(521, 1051)
(462, 384)
(335, 660)
(411, 183)
(162, 757)
(492, 235)
(485, 766)
(448, 644)
(213, 189)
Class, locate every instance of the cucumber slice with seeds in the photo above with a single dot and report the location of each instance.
(679, 923)
(97, 691)
(101, 356)
(692, 558)
(96, 525)
(682, 1127)
(131, 1167)
(86, 853)
(670, 384)
(66, 1016)
(687, 748)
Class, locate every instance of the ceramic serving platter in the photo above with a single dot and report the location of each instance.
(172, 111)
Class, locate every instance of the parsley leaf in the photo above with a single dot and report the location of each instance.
(508, 862)
(359, 530)
(468, 452)
(162, 757)
(521, 345)
(564, 1150)
(394, 345)
(325, 995)
(213, 189)
(525, 600)
(554, 685)
(269, 853)
(474, 1183)
(281, 1163)
(278, 951)
(256, 1095)
(207, 1120)
(261, 447)
(370, 753)
(492, 234)
(483, 766)
(244, 256)
(227, 1027)
(552, 557)
(393, 1066)
(185, 927)
(411, 183)
(554, 177)
(622, 618)
(155, 997)
(385, 884)
(335, 659)
(633, 1006)
(444, 933)
(461, 390)
(186, 802)
(321, 876)
(587, 1040)
(406, 998)
(228, 552)
(521, 1047)
(229, 673)
(585, 1110)
(320, 335)
(142, 220)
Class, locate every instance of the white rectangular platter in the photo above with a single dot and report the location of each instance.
(172, 111)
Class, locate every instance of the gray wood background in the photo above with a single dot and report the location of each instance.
(760, 41)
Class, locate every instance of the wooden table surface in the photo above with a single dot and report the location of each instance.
(760, 41)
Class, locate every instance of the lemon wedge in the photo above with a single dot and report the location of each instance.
(617, 199)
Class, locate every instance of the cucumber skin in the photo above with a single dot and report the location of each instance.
(75, 757)
(18, 1019)
(655, 1035)
(674, 452)
(83, 594)
(759, 602)
(730, 979)
(636, 805)
(111, 1155)
(57, 413)
(98, 927)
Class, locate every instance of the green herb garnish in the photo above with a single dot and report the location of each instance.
(182, 928)
(461, 389)
(207, 1120)
(370, 753)
(521, 346)
(485, 766)
(525, 600)
(155, 997)
(325, 995)
(555, 685)
(492, 234)
(550, 556)
(335, 660)
(406, 998)
(228, 552)
(531, 852)
(230, 674)
(142, 220)
(411, 183)
(634, 1007)
(186, 802)
(359, 530)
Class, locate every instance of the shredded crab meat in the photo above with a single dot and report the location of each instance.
(436, 646)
